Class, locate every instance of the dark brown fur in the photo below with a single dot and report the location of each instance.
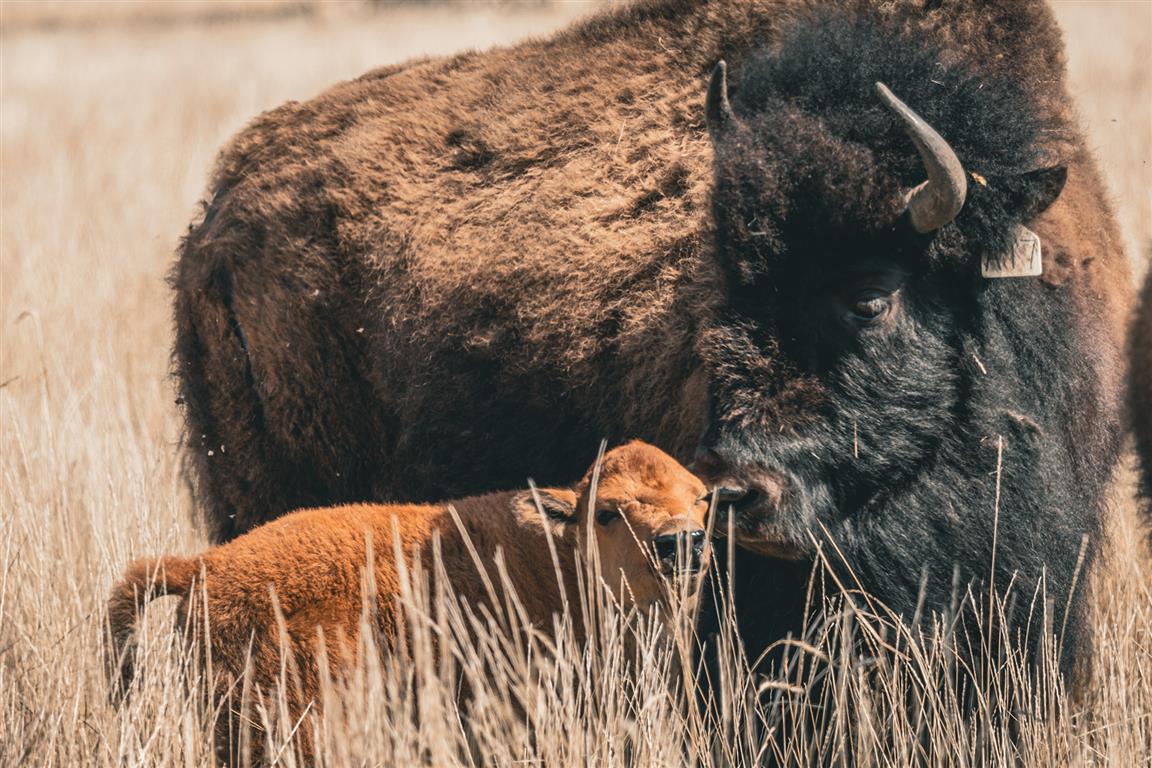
(310, 565)
(1140, 386)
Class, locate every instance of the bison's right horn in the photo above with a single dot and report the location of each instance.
(717, 108)
(937, 201)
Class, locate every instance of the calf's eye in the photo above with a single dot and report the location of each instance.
(606, 516)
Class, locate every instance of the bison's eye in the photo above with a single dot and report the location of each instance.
(870, 307)
(607, 515)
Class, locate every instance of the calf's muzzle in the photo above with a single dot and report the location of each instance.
(680, 553)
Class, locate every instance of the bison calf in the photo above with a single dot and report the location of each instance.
(645, 513)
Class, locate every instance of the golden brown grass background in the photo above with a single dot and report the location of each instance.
(110, 116)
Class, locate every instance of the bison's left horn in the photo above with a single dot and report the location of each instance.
(937, 201)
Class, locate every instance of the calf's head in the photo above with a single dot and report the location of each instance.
(850, 236)
(645, 513)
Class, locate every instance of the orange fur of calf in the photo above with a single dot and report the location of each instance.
(310, 565)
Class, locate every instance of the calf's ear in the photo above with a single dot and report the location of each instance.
(557, 504)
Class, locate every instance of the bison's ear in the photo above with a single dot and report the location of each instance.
(557, 504)
(1032, 193)
(717, 108)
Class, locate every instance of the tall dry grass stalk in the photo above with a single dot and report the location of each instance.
(105, 140)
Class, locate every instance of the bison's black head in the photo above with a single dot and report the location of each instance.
(851, 235)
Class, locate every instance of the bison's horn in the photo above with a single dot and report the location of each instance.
(938, 200)
(717, 108)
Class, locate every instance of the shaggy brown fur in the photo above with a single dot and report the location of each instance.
(309, 565)
(400, 270)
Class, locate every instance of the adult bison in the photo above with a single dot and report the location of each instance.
(438, 279)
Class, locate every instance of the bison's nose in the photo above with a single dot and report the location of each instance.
(746, 492)
(680, 553)
(725, 496)
(735, 501)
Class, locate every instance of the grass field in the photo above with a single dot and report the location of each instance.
(107, 133)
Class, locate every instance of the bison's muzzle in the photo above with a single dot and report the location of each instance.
(749, 502)
(680, 554)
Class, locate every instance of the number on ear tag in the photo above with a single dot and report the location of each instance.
(1022, 260)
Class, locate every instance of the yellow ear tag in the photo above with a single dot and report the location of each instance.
(1022, 260)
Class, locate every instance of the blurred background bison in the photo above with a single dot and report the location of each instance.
(1140, 387)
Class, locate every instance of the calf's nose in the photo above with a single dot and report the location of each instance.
(680, 552)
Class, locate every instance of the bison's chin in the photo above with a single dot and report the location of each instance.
(778, 549)
(757, 534)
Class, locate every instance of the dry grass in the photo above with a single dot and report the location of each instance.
(46, 14)
(107, 135)
(1109, 44)
(24, 15)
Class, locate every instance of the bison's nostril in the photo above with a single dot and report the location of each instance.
(747, 500)
(727, 495)
(732, 504)
(732, 500)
